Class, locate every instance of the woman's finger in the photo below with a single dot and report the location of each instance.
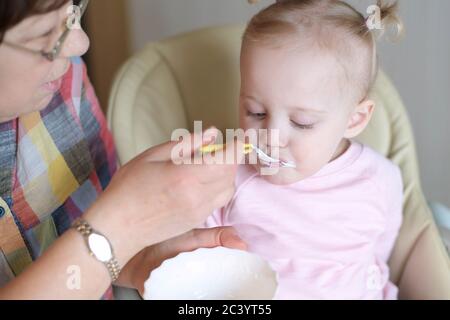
(205, 238)
(215, 237)
(188, 144)
(229, 238)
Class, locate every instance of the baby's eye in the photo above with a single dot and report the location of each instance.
(302, 126)
(258, 115)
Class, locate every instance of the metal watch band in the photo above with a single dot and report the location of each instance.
(84, 228)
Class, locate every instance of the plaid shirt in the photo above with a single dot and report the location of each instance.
(53, 165)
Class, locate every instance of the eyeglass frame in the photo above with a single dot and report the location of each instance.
(54, 53)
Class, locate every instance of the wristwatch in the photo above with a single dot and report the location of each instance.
(99, 247)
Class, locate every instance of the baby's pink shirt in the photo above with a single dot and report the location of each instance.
(328, 236)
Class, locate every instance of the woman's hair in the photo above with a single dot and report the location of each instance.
(12, 12)
(330, 25)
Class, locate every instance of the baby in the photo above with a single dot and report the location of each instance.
(328, 226)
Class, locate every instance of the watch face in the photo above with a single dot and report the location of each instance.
(100, 247)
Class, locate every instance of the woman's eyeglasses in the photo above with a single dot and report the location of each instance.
(70, 23)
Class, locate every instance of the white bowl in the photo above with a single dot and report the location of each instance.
(212, 274)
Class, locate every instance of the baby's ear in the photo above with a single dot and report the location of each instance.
(359, 118)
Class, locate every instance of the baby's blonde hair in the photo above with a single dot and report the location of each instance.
(331, 25)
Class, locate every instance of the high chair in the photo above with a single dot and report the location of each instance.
(195, 76)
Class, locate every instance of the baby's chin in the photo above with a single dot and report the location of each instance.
(280, 176)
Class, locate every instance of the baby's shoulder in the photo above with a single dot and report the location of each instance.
(381, 170)
(375, 161)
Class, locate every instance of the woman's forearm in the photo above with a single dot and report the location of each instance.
(64, 271)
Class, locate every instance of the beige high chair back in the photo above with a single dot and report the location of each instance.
(195, 76)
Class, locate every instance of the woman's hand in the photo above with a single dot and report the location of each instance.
(139, 268)
(151, 199)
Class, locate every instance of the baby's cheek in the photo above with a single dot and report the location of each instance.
(308, 158)
(300, 152)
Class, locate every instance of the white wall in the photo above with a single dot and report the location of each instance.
(156, 19)
(419, 65)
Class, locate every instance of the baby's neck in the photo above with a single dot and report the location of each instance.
(343, 146)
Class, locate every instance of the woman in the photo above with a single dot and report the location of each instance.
(56, 158)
